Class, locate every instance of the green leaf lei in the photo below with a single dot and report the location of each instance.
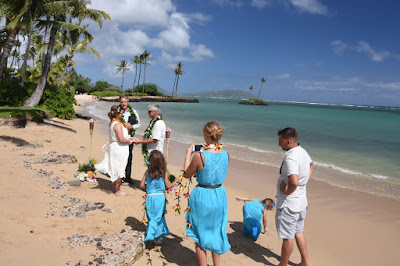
(146, 136)
(133, 131)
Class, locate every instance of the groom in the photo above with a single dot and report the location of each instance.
(131, 119)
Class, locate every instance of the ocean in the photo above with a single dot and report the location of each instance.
(356, 147)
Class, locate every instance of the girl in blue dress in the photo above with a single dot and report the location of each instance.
(255, 210)
(208, 216)
(155, 180)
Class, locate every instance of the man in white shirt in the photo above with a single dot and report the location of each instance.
(155, 133)
(132, 121)
(291, 207)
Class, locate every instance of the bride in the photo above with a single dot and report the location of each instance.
(116, 156)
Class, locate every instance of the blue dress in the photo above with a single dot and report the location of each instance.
(209, 206)
(252, 215)
(155, 208)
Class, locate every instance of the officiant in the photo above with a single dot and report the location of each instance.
(131, 120)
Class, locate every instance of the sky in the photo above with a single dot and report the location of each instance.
(342, 51)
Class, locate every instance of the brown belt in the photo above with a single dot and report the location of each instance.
(209, 186)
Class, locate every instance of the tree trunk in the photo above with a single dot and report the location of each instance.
(140, 72)
(176, 89)
(260, 90)
(71, 54)
(144, 77)
(173, 87)
(38, 93)
(6, 51)
(122, 86)
(25, 63)
(134, 82)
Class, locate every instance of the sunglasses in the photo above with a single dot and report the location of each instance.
(151, 111)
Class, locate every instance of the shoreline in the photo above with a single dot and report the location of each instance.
(331, 174)
(338, 220)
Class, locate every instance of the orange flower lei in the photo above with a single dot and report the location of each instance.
(216, 146)
(177, 208)
(114, 119)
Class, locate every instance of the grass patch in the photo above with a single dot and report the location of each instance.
(29, 113)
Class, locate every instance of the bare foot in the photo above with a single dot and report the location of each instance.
(120, 193)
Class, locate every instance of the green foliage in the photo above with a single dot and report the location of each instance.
(257, 100)
(29, 113)
(81, 85)
(106, 93)
(135, 94)
(149, 89)
(59, 101)
(101, 85)
(87, 166)
(11, 92)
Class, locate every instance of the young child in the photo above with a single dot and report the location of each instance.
(253, 211)
(155, 180)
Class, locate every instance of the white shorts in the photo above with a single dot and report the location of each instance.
(289, 223)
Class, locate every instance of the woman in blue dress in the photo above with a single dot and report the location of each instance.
(155, 180)
(208, 216)
(255, 210)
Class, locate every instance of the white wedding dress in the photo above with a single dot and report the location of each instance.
(116, 156)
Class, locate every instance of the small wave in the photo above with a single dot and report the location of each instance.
(338, 168)
(95, 111)
(379, 176)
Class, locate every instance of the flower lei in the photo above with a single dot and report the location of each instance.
(212, 146)
(146, 136)
(177, 208)
(133, 131)
(123, 124)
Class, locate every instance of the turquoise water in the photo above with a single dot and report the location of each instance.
(357, 140)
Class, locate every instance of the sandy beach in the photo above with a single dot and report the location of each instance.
(343, 227)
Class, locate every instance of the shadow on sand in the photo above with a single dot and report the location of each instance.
(17, 141)
(247, 246)
(104, 184)
(167, 251)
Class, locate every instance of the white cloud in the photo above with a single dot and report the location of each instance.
(338, 47)
(364, 47)
(309, 6)
(385, 85)
(260, 3)
(176, 36)
(152, 25)
(144, 13)
(284, 76)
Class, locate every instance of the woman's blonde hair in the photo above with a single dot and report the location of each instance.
(158, 165)
(115, 109)
(213, 130)
(268, 203)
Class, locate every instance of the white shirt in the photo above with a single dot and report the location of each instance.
(158, 133)
(296, 162)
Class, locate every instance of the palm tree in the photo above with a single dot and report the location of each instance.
(251, 88)
(146, 57)
(178, 72)
(123, 66)
(140, 69)
(56, 13)
(135, 61)
(262, 83)
(73, 43)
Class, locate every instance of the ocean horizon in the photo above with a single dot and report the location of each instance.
(352, 146)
